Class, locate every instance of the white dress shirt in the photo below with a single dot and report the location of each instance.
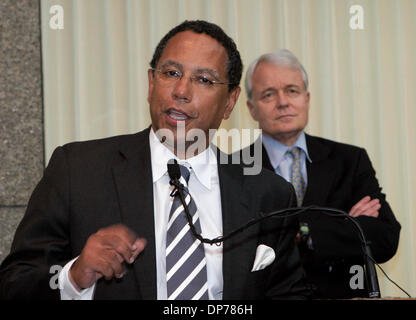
(281, 161)
(204, 188)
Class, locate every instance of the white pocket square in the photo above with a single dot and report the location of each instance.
(264, 257)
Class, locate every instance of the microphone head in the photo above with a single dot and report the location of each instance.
(173, 170)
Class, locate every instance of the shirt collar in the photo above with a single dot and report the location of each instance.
(276, 150)
(160, 155)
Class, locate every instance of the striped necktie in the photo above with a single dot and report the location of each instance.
(296, 176)
(185, 256)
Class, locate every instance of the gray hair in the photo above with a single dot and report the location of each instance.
(283, 58)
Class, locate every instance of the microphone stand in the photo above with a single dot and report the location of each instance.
(369, 266)
(370, 270)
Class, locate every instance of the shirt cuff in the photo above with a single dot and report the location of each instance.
(68, 291)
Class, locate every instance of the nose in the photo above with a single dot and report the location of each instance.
(282, 100)
(182, 89)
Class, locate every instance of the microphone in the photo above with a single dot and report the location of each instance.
(174, 171)
(371, 273)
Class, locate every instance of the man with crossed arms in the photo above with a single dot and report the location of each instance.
(324, 173)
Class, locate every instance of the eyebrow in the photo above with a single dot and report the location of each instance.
(211, 72)
(292, 86)
(168, 63)
(275, 89)
(268, 89)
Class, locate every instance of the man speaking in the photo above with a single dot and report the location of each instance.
(105, 213)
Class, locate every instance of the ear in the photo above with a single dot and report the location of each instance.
(252, 109)
(308, 98)
(151, 78)
(231, 101)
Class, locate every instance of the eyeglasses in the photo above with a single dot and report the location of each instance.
(169, 76)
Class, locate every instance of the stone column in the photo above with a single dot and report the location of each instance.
(21, 118)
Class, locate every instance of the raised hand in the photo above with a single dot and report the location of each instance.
(105, 254)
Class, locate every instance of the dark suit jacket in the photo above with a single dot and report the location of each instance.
(339, 176)
(90, 185)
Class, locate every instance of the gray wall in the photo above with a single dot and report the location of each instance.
(21, 119)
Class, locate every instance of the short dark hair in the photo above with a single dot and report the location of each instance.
(234, 63)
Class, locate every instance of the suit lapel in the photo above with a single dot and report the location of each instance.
(266, 160)
(236, 211)
(133, 178)
(320, 172)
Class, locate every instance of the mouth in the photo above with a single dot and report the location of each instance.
(285, 117)
(177, 115)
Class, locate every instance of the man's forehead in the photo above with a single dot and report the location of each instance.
(267, 72)
(197, 49)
